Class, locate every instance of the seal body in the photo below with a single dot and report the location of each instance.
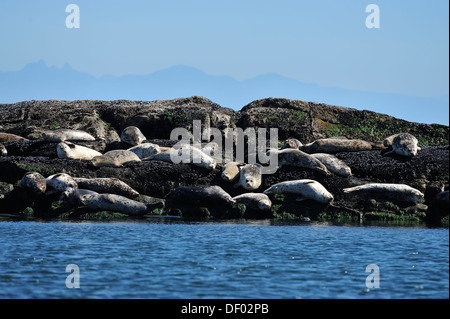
(115, 158)
(164, 156)
(7, 137)
(204, 195)
(404, 144)
(331, 145)
(73, 195)
(306, 188)
(230, 171)
(144, 150)
(72, 151)
(132, 135)
(60, 182)
(386, 191)
(107, 185)
(257, 201)
(63, 135)
(293, 157)
(117, 203)
(35, 182)
(250, 177)
(3, 151)
(333, 164)
(195, 156)
(291, 143)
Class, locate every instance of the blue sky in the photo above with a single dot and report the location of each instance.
(323, 42)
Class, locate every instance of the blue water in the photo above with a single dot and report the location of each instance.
(174, 259)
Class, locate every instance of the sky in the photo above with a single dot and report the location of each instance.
(325, 42)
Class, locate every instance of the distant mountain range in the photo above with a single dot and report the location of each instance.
(37, 81)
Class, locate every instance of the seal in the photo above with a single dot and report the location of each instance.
(386, 191)
(257, 201)
(72, 151)
(332, 145)
(115, 158)
(73, 195)
(250, 177)
(205, 195)
(63, 135)
(230, 171)
(3, 151)
(195, 156)
(306, 188)
(35, 182)
(8, 137)
(107, 185)
(60, 182)
(132, 135)
(297, 158)
(333, 164)
(117, 203)
(403, 144)
(145, 150)
(291, 143)
(164, 156)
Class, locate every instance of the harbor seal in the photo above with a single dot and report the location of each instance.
(195, 156)
(132, 135)
(333, 164)
(291, 143)
(306, 188)
(60, 182)
(164, 156)
(331, 145)
(205, 195)
(73, 195)
(297, 158)
(115, 158)
(145, 150)
(250, 177)
(403, 144)
(117, 203)
(63, 135)
(386, 191)
(35, 182)
(107, 185)
(3, 151)
(72, 151)
(230, 171)
(8, 137)
(257, 201)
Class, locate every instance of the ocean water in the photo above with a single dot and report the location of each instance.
(170, 259)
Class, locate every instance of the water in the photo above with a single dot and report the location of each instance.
(173, 259)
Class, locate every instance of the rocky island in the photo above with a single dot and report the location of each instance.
(27, 145)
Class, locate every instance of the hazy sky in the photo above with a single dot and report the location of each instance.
(323, 41)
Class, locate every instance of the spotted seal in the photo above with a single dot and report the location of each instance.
(403, 144)
(63, 135)
(333, 164)
(306, 188)
(115, 158)
(257, 201)
(132, 135)
(386, 191)
(72, 151)
(107, 185)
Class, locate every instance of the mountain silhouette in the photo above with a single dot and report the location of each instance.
(37, 81)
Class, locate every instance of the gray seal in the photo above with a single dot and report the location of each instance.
(72, 151)
(35, 182)
(257, 201)
(3, 151)
(132, 135)
(306, 188)
(386, 191)
(250, 177)
(205, 195)
(63, 135)
(107, 185)
(404, 144)
(332, 145)
(60, 182)
(144, 150)
(117, 203)
(333, 164)
(115, 158)
(297, 158)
